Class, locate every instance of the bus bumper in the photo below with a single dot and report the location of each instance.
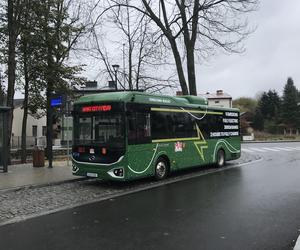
(101, 173)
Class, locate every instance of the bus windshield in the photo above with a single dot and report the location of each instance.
(104, 129)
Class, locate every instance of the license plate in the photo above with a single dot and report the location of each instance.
(91, 174)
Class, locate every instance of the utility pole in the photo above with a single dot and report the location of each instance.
(124, 78)
(67, 125)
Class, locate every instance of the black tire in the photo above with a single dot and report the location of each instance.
(221, 159)
(161, 169)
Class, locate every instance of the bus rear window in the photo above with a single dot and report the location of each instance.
(101, 128)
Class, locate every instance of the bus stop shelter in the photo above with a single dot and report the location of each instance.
(3, 138)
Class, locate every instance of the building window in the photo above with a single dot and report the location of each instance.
(34, 131)
(44, 131)
(217, 101)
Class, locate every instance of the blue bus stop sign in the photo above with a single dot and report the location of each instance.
(56, 101)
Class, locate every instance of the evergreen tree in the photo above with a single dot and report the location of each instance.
(267, 112)
(40, 35)
(269, 105)
(290, 112)
(59, 33)
(258, 120)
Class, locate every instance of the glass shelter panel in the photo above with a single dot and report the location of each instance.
(1, 138)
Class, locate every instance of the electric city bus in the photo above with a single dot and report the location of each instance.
(129, 135)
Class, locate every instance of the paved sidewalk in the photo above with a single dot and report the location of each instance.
(25, 175)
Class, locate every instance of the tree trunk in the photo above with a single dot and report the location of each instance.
(191, 71)
(25, 109)
(130, 50)
(49, 89)
(179, 68)
(11, 69)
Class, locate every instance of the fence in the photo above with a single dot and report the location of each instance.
(31, 141)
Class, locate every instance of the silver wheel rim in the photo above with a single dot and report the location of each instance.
(221, 159)
(161, 169)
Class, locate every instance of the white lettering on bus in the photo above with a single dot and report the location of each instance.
(231, 114)
(231, 127)
(225, 120)
(220, 134)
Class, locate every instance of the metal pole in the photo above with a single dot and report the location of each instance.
(67, 125)
(116, 79)
(5, 151)
(124, 66)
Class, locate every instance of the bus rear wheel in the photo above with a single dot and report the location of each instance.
(221, 161)
(161, 169)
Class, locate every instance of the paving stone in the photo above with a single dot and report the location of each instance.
(39, 200)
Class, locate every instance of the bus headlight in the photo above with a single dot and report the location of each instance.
(116, 172)
(119, 172)
(74, 168)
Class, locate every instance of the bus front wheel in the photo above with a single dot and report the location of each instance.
(221, 161)
(161, 169)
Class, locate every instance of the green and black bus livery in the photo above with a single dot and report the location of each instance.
(130, 135)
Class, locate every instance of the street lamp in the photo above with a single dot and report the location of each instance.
(116, 67)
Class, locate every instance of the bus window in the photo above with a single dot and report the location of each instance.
(204, 126)
(190, 126)
(131, 128)
(108, 128)
(85, 126)
(143, 127)
(138, 128)
(104, 129)
(159, 125)
(179, 125)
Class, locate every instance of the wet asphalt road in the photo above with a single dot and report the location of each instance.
(256, 206)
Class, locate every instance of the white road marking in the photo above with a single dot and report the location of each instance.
(292, 148)
(284, 149)
(297, 246)
(268, 149)
(272, 149)
(247, 150)
(258, 149)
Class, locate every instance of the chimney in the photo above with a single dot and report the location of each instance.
(111, 84)
(219, 92)
(91, 84)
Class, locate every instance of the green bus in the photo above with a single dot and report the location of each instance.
(129, 135)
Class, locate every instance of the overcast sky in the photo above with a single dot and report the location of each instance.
(272, 54)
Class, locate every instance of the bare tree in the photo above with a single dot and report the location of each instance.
(199, 26)
(134, 35)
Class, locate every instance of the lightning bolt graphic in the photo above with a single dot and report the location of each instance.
(201, 144)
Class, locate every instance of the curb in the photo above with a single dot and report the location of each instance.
(111, 197)
(275, 141)
(48, 184)
(81, 178)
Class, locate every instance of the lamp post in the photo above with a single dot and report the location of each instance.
(116, 67)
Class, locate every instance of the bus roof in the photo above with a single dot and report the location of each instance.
(145, 98)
